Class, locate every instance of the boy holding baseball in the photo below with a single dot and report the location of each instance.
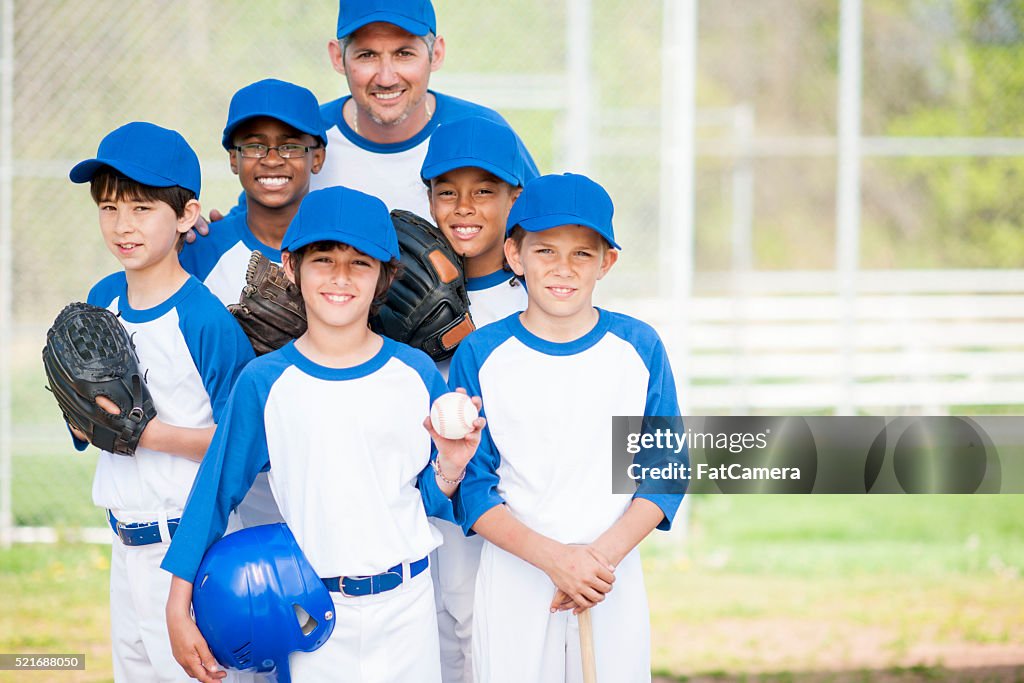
(474, 170)
(145, 180)
(337, 418)
(275, 142)
(539, 489)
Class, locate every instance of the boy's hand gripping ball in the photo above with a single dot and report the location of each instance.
(452, 415)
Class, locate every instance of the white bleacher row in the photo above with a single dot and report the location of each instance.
(917, 342)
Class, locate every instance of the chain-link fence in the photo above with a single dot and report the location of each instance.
(584, 82)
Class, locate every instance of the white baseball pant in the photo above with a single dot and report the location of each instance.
(516, 637)
(381, 638)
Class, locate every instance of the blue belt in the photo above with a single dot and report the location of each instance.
(356, 586)
(141, 533)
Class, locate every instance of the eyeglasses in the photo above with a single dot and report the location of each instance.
(258, 151)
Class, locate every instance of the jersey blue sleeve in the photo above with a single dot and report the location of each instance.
(217, 344)
(435, 502)
(662, 402)
(236, 455)
(478, 492)
(108, 289)
(200, 257)
(75, 441)
(330, 113)
(239, 210)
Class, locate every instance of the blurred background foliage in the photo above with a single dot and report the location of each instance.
(932, 69)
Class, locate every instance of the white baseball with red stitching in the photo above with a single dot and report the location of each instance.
(452, 415)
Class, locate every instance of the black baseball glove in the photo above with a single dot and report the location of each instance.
(427, 305)
(88, 354)
(270, 308)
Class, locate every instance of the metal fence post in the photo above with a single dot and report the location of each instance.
(678, 153)
(678, 158)
(848, 190)
(580, 103)
(6, 298)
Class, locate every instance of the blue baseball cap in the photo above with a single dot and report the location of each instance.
(340, 214)
(147, 154)
(415, 16)
(475, 142)
(549, 201)
(286, 102)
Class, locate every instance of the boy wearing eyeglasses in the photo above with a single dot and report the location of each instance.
(275, 138)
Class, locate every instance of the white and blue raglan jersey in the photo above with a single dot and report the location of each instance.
(391, 171)
(547, 448)
(495, 296)
(220, 259)
(491, 298)
(190, 351)
(348, 457)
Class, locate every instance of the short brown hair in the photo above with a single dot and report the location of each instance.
(518, 234)
(389, 270)
(110, 185)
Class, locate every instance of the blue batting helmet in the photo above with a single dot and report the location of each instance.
(257, 599)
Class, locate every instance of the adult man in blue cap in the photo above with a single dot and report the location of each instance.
(378, 135)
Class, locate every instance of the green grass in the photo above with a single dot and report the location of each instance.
(52, 481)
(55, 489)
(854, 534)
(765, 588)
(56, 601)
(31, 402)
(788, 587)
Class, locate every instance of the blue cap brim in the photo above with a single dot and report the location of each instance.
(434, 170)
(367, 247)
(416, 28)
(541, 223)
(300, 126)
(84, 171)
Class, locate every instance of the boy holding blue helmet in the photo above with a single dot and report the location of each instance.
(275, 141)
(474, 170)
(337, 418)
(539, 490)
(145, 180)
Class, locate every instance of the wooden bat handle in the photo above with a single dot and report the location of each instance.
(587, 647)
